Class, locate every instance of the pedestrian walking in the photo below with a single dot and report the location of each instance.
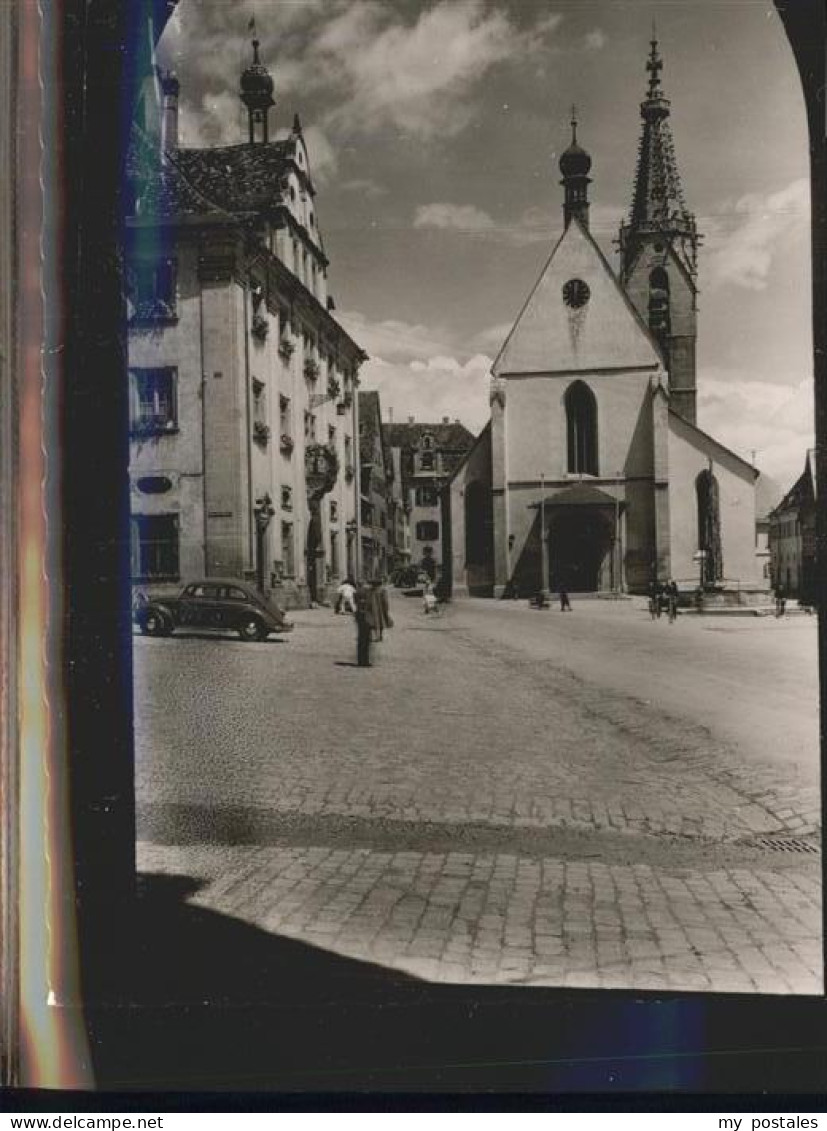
(363, 615)
(429, 600)
(380, 609)
(565, 603)
(672, 600)
(345, 597)
(654, 601)
(780, 601)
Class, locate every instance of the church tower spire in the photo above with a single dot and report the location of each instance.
(659, 244)
(575, 164)
(257, 94)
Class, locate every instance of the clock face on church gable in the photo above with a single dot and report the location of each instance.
(576, 293)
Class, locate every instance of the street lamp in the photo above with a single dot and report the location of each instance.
(263, 511)
(543, 543)
(618, 557)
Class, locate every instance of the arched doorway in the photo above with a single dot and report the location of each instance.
(580, 550)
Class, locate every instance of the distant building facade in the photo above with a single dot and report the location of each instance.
(792, 539)
(427, 455)
(244, 414)
(376, 485)
(592, 474)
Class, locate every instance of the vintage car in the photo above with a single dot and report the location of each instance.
(219, 604)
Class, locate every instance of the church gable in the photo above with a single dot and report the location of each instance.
(576, 318)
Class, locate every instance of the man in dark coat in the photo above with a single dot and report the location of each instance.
(372, 618)
(380, 609)
(364, 623)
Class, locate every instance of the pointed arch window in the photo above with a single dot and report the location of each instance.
(581, 429)
(709, 527)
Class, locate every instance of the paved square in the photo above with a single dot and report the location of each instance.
(508, 796)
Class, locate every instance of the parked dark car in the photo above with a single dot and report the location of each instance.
(216, 603)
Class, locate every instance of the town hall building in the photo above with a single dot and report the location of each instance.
(592, 473)
(243, 383)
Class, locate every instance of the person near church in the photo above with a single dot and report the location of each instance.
(655, 608)
(780, 600)
(380, 609)
(565, 603)
(345, 597)
(363, 615)
(672, 600)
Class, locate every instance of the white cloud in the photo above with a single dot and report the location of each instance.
(365, 186)
(417, 372)
(416, 77)
(216, 120)
(377, 68)
(743, 236)
(595, 40)
(463, 217)
(535, 225)
(773, 419)
(321, 154)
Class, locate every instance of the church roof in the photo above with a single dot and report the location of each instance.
(553, 334)
(581, 495)
(704, 440)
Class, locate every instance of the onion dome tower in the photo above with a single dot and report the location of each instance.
(659, 245)
(257, 95)
(575, 164)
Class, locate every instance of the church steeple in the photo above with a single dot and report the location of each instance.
(575, 164)
(257, 95)
(658, 203)
(659, 244)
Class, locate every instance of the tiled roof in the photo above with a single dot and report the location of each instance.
(235, 179)
(451, 437)
(801, 494)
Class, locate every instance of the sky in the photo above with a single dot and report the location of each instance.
(434, 131)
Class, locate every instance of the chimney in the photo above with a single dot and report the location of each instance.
(170, 88)
(390, 416)
(410, 420)
(446, 420)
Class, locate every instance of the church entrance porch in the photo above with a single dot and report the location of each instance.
(583, 528)
(580, 544)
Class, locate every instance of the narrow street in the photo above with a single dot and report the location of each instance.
(508, 796)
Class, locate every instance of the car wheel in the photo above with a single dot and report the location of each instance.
(153, 624)
(252, 629)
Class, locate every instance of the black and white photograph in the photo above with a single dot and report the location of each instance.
(456, 523)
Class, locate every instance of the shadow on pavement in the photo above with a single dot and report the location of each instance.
(214, 1004)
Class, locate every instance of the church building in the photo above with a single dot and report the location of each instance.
(592, 473)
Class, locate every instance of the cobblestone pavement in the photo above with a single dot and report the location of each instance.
(508, 796)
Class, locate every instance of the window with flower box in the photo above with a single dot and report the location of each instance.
(287, 557)
(154, 400)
